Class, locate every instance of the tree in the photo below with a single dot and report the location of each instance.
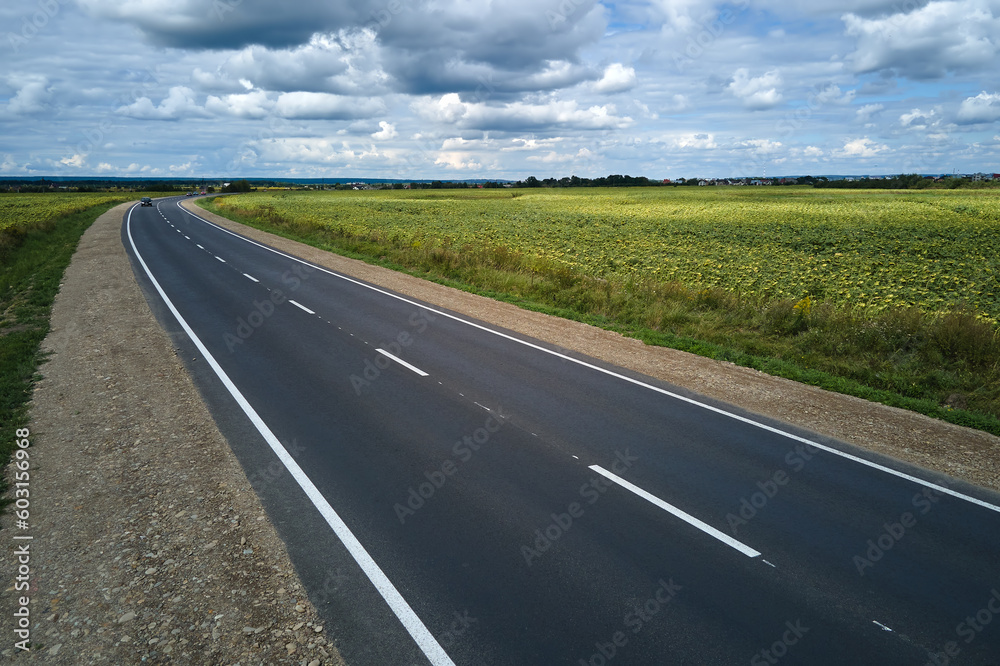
(238, 186)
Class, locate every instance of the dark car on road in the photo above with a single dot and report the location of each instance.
(145, 201)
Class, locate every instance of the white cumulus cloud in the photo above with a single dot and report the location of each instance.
(33, 94)
(866, 112)
(918, 119)
(928, 42)
(617, 78)
(179, 103)
(312, 105)
(863, 147)
(450, 109)
(388, 131)
(757, 93)
(77, 161)
(696, 141)
(460, 161)
(761, 146)
(255, 105)
(983, 108)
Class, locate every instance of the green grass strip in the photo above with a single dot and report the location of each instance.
(30, 274)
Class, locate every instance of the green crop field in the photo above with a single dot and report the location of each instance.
(871, 249)
(889, 295)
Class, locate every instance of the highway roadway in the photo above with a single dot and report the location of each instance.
(454, 493)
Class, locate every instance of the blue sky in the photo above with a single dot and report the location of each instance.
(460, 89)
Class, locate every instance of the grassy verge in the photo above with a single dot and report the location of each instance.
(32, 263)
(943, 365)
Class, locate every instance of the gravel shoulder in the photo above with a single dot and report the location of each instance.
(149, 544)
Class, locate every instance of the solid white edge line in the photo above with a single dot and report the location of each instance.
(611, 373)
(414, 626)
(300, 306)
(402, 362)
(670, 508)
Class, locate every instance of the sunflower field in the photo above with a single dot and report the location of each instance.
(930, 249)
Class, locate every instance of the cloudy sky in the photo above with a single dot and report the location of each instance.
(477, 89)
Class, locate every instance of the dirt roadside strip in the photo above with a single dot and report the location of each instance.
(149, 543)
(970, 455)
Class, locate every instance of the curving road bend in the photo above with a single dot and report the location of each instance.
(452, 493)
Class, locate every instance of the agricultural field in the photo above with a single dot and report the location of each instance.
(932, 249)
(26, 211)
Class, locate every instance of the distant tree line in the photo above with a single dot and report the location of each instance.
(911, 181)
(92, 185)
(43, 185)
(434, 185)
(615, 180)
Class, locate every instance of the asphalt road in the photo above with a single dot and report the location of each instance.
(455, 493)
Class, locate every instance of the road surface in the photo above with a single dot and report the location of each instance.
(452, 493)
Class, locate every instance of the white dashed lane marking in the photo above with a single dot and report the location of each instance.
(301, 307)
